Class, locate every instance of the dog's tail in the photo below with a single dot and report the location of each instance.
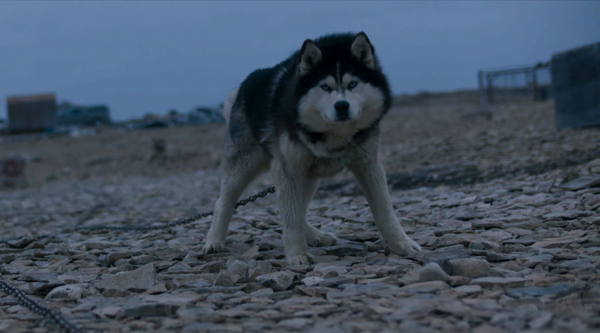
(228, 104)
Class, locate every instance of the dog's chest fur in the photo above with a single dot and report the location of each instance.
(302, 159)
(326, 167)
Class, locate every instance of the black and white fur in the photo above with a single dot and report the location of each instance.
(309, 117)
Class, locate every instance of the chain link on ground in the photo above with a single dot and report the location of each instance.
(56, 317)
(31, 304)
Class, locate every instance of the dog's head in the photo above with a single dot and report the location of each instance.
(340, 83)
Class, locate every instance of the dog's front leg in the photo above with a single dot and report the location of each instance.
(294, 193)
(371, 176)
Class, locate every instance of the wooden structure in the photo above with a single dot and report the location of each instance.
(31, 113)
(576, 86)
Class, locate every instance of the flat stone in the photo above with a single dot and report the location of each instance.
(262, 292)
(20, 243)
(545, 186)
(295, 323)
(531, 224)
(100, 244)
(559, 241)
(70, 292)
(150, 310)
(532, 261)
(137, 280)
(537, 200)
(498, 257)
(426, 287)
(204, 326)
(580, 265)
(262, 267)
(114, 293)
(312, 281)
(178, 299)
(515, 218)
(278, 281)
(217, 289)
(239, 268)
(542, 320)
(496, 235)
(468, 290)
(252, 252)
(433, 272)
(39, 277)
(110, 311)
(181, 268)
(491, 281)
(580, 183)
(337, 281)
(451, 239)
(523, 241)
(342, 250)
(143, 260)
(368, 287)
(469, 267)
(476, 246)
(456, 280)
(487, 224)
(7, 258)
(554, 291)
(326, 268)
(114, 256)
(566, 215)
(191, 281)
(210, 267)
(469, 216)
(442, 257)
(157, 289)
(226, 279)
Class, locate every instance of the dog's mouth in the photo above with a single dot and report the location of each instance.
(339, 118)
(339, 121)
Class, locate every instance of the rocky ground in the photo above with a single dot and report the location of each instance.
(507, 211)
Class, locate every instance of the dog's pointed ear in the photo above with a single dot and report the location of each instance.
(310, 56)
(363, 50)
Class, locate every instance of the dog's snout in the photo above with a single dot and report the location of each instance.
(342, 106)
(342, 109)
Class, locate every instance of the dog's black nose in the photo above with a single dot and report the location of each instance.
(342, 108)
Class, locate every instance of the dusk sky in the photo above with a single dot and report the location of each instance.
(149, 57)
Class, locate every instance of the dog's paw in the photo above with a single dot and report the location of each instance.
(320, 238)
(212, 247)
(298, 260)
(404, 246)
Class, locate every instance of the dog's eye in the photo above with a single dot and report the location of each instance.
(325, 87)
(352, 84)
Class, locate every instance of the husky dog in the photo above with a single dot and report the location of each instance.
(309, 117)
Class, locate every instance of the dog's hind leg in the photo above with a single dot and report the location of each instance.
(239, 169)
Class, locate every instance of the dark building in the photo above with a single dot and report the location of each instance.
(72, 114)
(576, 86)
(31, 113)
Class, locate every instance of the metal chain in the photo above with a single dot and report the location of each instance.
(181, 221)
(55, 316)
(36, 307)
(253, 198)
